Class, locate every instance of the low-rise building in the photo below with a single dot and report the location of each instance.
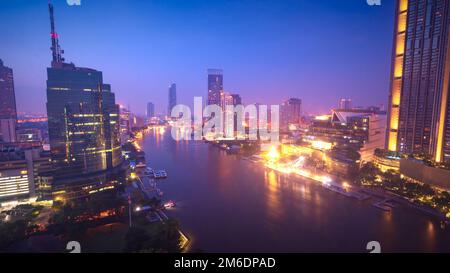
(362, 130)
(20, 171)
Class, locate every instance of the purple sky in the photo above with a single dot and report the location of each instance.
(270, 50)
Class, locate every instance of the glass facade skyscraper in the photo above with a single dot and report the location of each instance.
(8, 111)
(150, 110)
(290, 112)
(215, 86)
(419, 103)
(172, 98)
(7, 95)
(83, 123)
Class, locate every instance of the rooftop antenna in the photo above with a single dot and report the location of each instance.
(57, 59)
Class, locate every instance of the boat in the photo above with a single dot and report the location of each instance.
(169, 204)
(383, 207)
(160, 174)
(141, 165)
(149, 171)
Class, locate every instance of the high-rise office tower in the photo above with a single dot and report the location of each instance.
(290, 112)
(215, 86)
(83, 119)
(230, 99)
(125, 124)
(7, 96)
(345, 104)
(150, 110)
(225, 99)
(8, 112)
(172, 98)
(419, 105)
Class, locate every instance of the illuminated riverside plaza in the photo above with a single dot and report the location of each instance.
(259, 128)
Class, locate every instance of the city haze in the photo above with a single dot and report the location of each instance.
(269, 50)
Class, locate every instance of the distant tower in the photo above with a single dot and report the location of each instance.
(172, 98)
(215, 86)
(150, 110)
(7, 94)
(8, 111)
(290, 112)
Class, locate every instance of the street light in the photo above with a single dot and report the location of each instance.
(273, 154)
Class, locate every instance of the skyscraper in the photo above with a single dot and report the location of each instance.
(225, 99)
(150, 110)
(8, 112)
(172, 98)
(419, 105)
(83, 120)
(290, 112)
(125, 124)
(215, 86)
(7, 95)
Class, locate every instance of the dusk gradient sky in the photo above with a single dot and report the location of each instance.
(270, 50)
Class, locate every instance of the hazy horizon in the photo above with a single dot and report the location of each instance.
(318, 51)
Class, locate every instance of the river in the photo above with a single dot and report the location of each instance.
(227, 204)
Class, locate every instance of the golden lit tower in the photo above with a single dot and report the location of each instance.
(418, 103)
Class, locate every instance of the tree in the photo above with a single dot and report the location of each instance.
(171, 228)
(368, 173)
(137, 239)
(12, 232)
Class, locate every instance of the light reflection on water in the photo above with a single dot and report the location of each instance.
(230, 205)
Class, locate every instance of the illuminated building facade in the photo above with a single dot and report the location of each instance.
(418, 120)
(83, 122)
(225, 99)
(361, 130)
(29, 135)
(215, 86)
(228, 99)
(290, 112)
(125, 124)
(14, 182)
(20, 171)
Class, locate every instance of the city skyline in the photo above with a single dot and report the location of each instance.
(277, 74)
(293, 149)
